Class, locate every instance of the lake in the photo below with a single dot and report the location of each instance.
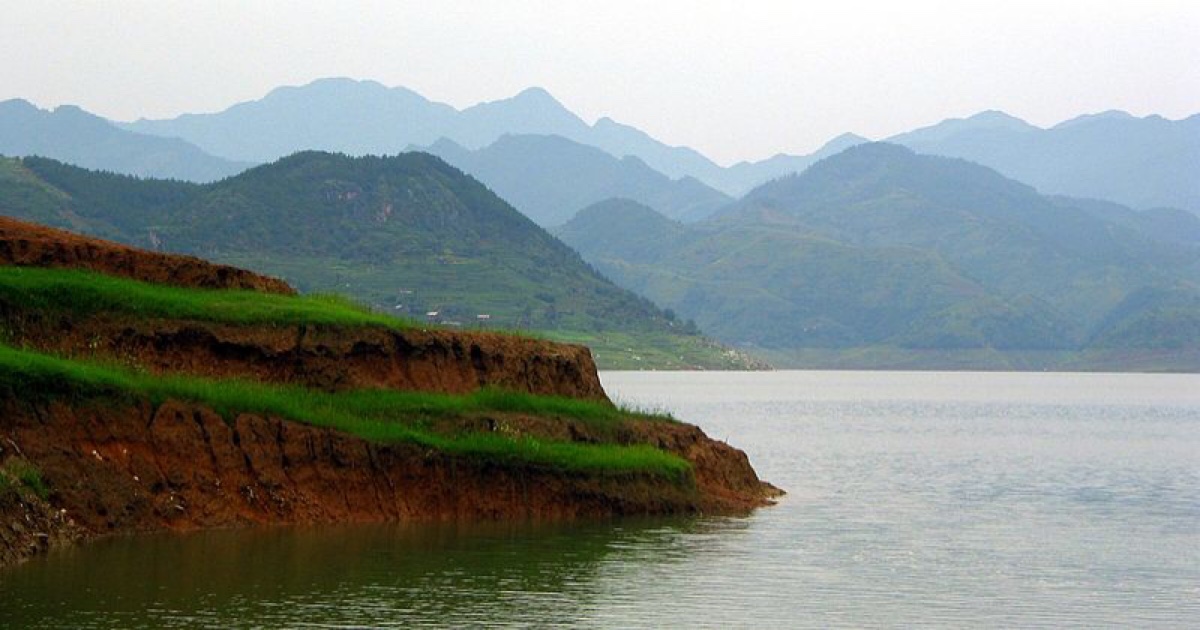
(915, 500)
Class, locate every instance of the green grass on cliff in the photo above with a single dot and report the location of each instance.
(376, 415)
(86, 292)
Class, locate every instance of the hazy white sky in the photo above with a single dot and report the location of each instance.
(736, 80)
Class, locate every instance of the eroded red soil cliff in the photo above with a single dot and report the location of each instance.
(117, 468)
(118, 464)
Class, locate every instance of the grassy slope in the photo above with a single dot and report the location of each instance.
(78, 291)
(82, 292)
(438, 287)
(376, 415)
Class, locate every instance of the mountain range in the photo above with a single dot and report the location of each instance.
(879, 256)
(1140, 162)
(75, 136)
(986, 240)
(407, 234)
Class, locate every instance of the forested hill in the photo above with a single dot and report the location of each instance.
(878, 253)
(408, 234)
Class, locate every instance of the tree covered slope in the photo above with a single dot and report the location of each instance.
(881, 247)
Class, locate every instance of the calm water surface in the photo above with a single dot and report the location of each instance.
(916, 500)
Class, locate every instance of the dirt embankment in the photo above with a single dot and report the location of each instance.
(32, 245)
(328, 358)
(29, 525)
(331, 358)
(128, 468)
(120, 465)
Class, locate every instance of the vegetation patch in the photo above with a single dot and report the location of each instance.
(18, 473)
(83, 292)
(375, 415)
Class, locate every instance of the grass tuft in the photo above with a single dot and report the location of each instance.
(25, 474)
(85, 292)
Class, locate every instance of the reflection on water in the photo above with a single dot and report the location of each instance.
(371, 574)
(945, 500)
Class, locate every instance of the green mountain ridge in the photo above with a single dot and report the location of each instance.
(878, 247)
(407, 234)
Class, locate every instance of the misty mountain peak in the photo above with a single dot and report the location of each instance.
(875, 151)
(841, 143)
(444, 144)
(535, 94)
(17, 105)
(532, 99)
(74, 111)
(1105, 116)
(530, 110)
(997, 118)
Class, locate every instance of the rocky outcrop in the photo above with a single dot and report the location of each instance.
(29, 526)
(32, 245)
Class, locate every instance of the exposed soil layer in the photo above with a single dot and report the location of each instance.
(32, 245)
(129, 467)
(329, 358)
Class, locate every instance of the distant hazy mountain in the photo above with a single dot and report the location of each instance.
(675, 162)
(550, 178)
(1139, 162)
(355, 117)
(743, 176)
(880, 248)
(73, 135)
(359, 118)
(364, 117)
